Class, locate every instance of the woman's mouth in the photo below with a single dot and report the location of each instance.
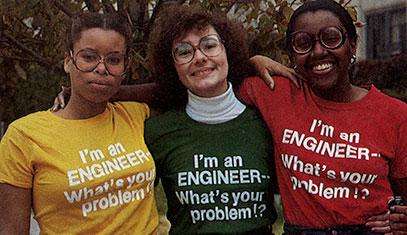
(322, 67)
(202, 72)
(99, 84)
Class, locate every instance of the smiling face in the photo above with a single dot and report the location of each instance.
(326, 70)
(97, 86)
(204, 76)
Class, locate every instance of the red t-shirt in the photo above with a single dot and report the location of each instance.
(333, 159)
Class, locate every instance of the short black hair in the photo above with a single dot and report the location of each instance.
(89, 20)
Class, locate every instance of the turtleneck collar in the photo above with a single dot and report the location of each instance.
(214, 110)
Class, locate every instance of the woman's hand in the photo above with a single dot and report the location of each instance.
(265, 66)
(380, 223)
(392, 222)
(59, 101)
(398, 219)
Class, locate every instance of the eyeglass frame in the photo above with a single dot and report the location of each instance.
(101, 60)
(198, 48)
(315, 38)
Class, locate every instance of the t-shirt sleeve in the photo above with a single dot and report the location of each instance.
(140, 109)
(398, 167)
(139, 112)
(15, 163)
(247, 91)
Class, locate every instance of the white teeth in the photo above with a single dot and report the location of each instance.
(202, 72)
(322, 66)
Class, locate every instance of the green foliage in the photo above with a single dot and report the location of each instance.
(25, 93)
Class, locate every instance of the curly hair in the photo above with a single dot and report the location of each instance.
(176, 21)
(89, 20)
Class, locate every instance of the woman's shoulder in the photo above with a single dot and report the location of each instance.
(130, 107)
(127, 104)
(169, 117)
(168, 122)
(387, 106)
(33, 118)
(258, 84)
(31, 123)
(386, 100)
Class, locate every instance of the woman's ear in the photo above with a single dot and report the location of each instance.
(353, 47)
(67, 62)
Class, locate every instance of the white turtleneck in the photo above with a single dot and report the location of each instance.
(216, 109)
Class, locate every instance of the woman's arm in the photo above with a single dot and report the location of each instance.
(145, 92)
(15, 210)
(265, 66)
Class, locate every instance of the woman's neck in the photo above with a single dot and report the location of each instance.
(346, 93)
(214, 110)
(81, 109)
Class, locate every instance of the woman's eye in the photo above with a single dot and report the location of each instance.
(114, 60)
(184, 53)
(302, 43)
(89, 57)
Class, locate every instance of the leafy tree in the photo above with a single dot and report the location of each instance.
(31, 50)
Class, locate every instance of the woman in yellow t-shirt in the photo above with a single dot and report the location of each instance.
(84, 169)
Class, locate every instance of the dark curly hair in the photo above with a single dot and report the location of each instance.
(89, 20)
(176, 21)
(323, 5)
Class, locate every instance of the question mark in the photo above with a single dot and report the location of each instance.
(365, 192)
(262, 208)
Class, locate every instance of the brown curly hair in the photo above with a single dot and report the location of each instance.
(176, 21)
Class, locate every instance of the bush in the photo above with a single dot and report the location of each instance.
(388, 75)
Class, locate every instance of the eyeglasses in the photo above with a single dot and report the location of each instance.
(86, 60)
(331, 37)
(210, 46)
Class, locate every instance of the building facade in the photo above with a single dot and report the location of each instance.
(385, 31)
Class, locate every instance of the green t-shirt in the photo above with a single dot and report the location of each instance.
(217, 178)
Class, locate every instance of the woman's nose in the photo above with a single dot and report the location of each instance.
(318, 49)
(101, 68)
(199, 56)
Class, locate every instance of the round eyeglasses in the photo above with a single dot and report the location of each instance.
(86, 60)
(330, 37)
(210, 46)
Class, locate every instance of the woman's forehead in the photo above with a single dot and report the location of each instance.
(195, 33)
(314, 21)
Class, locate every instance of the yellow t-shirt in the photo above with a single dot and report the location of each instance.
(91, 176)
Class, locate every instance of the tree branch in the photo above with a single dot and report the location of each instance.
(19, 58)
(160, 5)
(41, 60)
(63, 8)
(108, 6)
(91, 5)
(138, 14)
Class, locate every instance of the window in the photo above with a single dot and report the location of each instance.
(386, 33)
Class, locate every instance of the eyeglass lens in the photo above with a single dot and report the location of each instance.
(87, 61)
(184, 52)
(330, 37)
